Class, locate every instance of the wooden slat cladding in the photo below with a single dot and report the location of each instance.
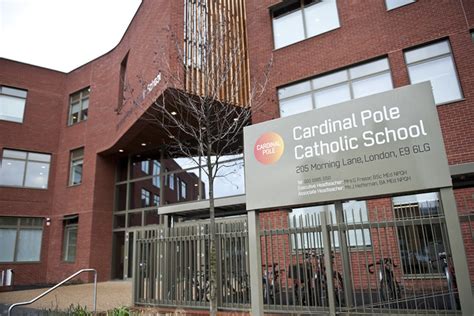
(215, 50)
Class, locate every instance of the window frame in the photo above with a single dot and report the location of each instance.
(350, 81)
(25, 171)
(72, 160)
(434, 58)
(301, 8)
(20, 91)
(397, 6)
(18, 227)
(70, 223)
(81, 106)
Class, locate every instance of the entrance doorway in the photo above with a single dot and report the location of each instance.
(123, 255)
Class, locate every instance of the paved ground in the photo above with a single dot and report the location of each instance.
(109, 295)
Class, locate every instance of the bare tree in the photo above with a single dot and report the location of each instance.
(209, 100)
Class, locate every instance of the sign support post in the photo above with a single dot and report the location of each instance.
(458, 252)
(346, 265)
(255, 264)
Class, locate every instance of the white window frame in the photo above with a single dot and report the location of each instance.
(83, 95)
(18, 227)
(27, 160)
(350, 81)
(434, 58)
(10, 92)
(70, 228)
(76, 159)
(394, 4)
(305, 30)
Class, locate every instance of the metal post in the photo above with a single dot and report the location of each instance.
(328, 263)
(457, 250)
(255, 264)
(95, 292)
(346, 264)
(135, 277)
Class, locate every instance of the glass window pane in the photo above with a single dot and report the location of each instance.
(230, 179)
(321, 17)
(13, 92)
(77, 153)
(76, 172)
(70, 244)
(296, 105)
(8, 221)
(288, 29)
(372, 85)
(29, 245)
(12, 172)
(11, 108)
(330, 79)
(427, 52)
(85, 103)
(39, 157)
(14, 154)
(442, 75)
(119, 221)
(369, 68)
(7, 244)
(392, 4)
(37, 175)
(84, 114)
(294, 90)
(332, 95)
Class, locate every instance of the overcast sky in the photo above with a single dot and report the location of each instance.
(62, 34)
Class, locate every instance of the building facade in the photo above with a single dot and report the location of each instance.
(82, 172)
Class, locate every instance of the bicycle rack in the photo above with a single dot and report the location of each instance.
(58, 285)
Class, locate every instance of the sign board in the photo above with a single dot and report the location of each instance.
(383, 144)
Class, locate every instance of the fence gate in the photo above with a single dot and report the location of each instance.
(395, 260)
(172, 265)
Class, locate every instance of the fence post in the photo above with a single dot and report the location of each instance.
(346, 264)
(255, 260)
(135, 277)
(457, 250)
(328, 263)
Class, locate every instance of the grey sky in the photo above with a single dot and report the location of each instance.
(62, 34)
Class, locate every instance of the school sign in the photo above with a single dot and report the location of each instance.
(383, 144)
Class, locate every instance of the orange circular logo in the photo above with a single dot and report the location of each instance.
(269, 148)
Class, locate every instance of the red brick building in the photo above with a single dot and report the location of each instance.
(104, 169)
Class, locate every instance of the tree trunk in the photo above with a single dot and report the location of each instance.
(212, 243)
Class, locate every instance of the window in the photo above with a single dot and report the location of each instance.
(25, 169)
(156, 172)
(295, 21)
(435, 63)
(77, 162)
(78, 106)
(420, 242)
(70, 238)
(177, 187)
(343, 85)
(355, 212)
(393, 4)
(145, 166)
(166, 176)
(145, 198)
(171, 181)
(472, 35)
(183, 189)
(20, 239)
(12, 104)
(156, 200)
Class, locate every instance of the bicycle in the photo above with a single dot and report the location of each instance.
(270, 281)
(448, 271)
(389, 286)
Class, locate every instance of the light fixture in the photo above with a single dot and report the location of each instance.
(43, 167)
(173, 113)
(143, 144)
(41, 173)
(171, 136)
(138, 156)
(195, 184)
(120, 150)
(203, 128)
(236, 119)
